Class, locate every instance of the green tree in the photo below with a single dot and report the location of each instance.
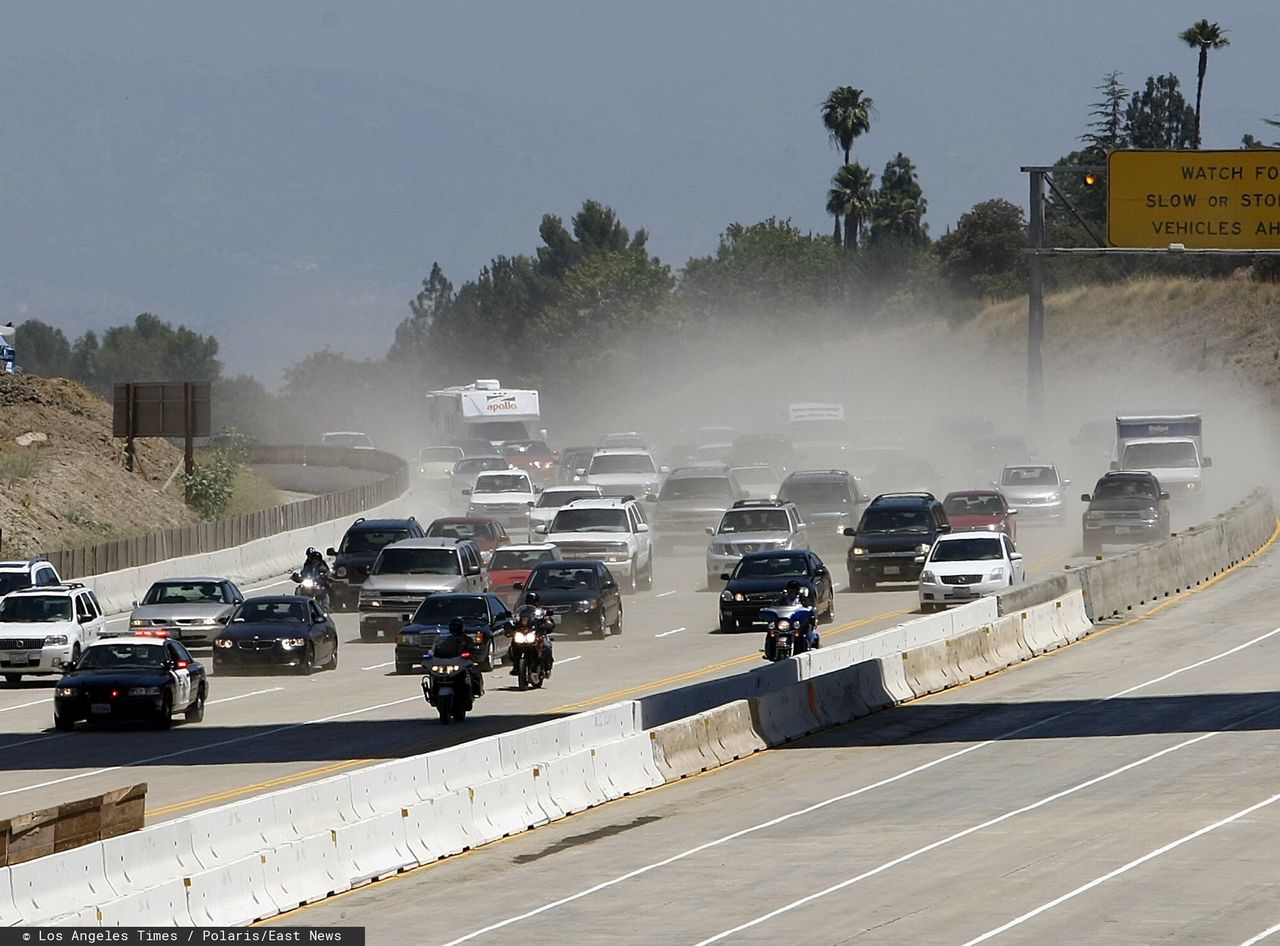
(1107, 128)
(899, 206)
(853, 198)
(42, 349)
(983, 255)
(1203, 36)
(153, 350)
(86, 360)
(846, 113)
(1159, 117)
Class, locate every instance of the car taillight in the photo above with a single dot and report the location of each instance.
(182, 665)
(466, 654)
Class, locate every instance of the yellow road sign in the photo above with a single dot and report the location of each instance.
(1201, 199)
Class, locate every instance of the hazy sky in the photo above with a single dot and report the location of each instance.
(283, 174)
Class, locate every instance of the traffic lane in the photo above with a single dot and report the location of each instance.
(899, 763)
(258, 724)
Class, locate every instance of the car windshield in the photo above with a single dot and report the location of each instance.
(970, 505)
(756, 475)
(621, 463)
(184, 592)
(780, 566)
(35, 609)
(1029, 476)
(590, 520)
(417, 562)
(521, 447)
(460, 530)
(371, 540)
(755, 520)
(576, 457)
(712, 452)
(441, 609)
(816, 493)
(818, 430)
(12, 581)
(894, 520)
(271, 612)
(122, 656)
(966, 550)
(698, 487)
(1160, 456)
(503, 483)
(563, 579)
(440, 454)
(517, 559)
(470, 465)
(623, 440)
(554, 499)
(1124, 489)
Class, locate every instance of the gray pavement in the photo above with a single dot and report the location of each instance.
(1125, 790)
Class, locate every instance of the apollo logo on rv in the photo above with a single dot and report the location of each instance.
(500, 403)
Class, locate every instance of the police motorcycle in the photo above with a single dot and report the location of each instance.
(312, 580)
(452, 682)
(530, 652)
(791, 626)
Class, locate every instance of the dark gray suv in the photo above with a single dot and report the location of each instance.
(1125, 508)
(829, 501)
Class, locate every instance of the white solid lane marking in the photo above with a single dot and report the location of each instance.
(1261, 936)
(664, 594)
(669, 633)
(379, 666)
(242, 696)
(25, 705)
(569, 660)
(1136, 862)
(844, 797)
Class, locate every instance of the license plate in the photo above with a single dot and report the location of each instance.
(19, 660)
(892, 569)
(1122, 530)
(962, 593)
(445, 691)
(557, 618)
(100, 708)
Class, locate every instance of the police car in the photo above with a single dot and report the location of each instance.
(130, 679)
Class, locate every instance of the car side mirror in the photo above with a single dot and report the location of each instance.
(1114, 465)
(135, 604)
(1011, 512)
(1066, 482)
(849, 532)
(1164, 495)
(609, 584)
(581, 471)
(664, 469)
(724, 576)
(518, 586)
(650, 498)
(710, 530)
(1084, 498)
(64, 663)
(540, 528)
(944, 528)
(1206, 462)
(536, 490)
(331, 552)
(363, 570)
(1015, 556)
(466, 492)
(406, 619)
(642, 527)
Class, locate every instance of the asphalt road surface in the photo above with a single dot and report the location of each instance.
(263, 732)
(1125, 790)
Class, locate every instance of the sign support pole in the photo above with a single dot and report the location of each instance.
(1035, 303)
(131, 423)
(188, 427)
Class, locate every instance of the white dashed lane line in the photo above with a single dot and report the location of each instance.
(669, 633)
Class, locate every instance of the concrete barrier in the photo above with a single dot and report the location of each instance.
(463, 766)
(232, 832)
(787, 714)
(303, 871)
(838, 696)
(441, 827)
(373, 847)
(680, 748)
(625, 767)
(143, 859)
(928, 668)
(307, 809)
(50, 886)
(571, 782)
(163, 904)
(389, 786)
(231, 895)
(731, 732)
(505, 805)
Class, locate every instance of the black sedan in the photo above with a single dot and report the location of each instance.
(131, 678)
(581, 596)
(484, 616)
(277, 631)
(760, 579)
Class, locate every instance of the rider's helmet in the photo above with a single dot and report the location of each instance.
(532, 598)
(793, 589)
(313, 553)
(529, 616)
(456, 626)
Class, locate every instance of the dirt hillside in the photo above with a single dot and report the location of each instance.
(71, 488)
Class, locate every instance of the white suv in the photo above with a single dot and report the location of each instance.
(43, 626)
(25, 574)
(505, 495)
(623, 472)
(612, 530)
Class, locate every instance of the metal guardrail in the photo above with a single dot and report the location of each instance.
(201, 537)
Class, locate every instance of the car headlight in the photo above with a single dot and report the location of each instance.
(340, 571)
(224, 643)
(928, 576)
(739, 596)
(857, 550)
(923, 548)
(64, 691)
(371, 602)
(144, 691)
(292, 643)
(1193, 486)
(56, 640)
(784, 624)
(726, 596)
(1150, 515)
(1054, 498)
(586, 605)
(996, 574)
(1094, 516)
(137, 623)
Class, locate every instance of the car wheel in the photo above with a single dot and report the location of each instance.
(195, 712)
(829, 616)
(308, 661)
(63, 723)
(617, 624)
(486, 665)
(599, 630)
(647, 584)
(332, 663)
(164, 719)
(728, 625)
(404, 666)
(634, 581)
(75, 653)
(12, 678)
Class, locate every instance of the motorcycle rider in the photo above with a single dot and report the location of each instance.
(532, 616)
(796, 596)
(455, 644)
(317, 568)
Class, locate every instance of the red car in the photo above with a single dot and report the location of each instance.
(532, 456)
(487, 534)
(981, 509)
(513, 563)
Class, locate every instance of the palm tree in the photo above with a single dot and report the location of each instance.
(1204, 36)
(851, 197)
(847, 114)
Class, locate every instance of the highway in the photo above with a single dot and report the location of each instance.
(1124, 790)
(264, 732)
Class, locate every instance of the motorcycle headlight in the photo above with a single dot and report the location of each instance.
(928, 576)
(223, 643)
(144, 691)
(308, 584)
(525, 637)
(56, 640)
(784, 624)
(292, 643)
